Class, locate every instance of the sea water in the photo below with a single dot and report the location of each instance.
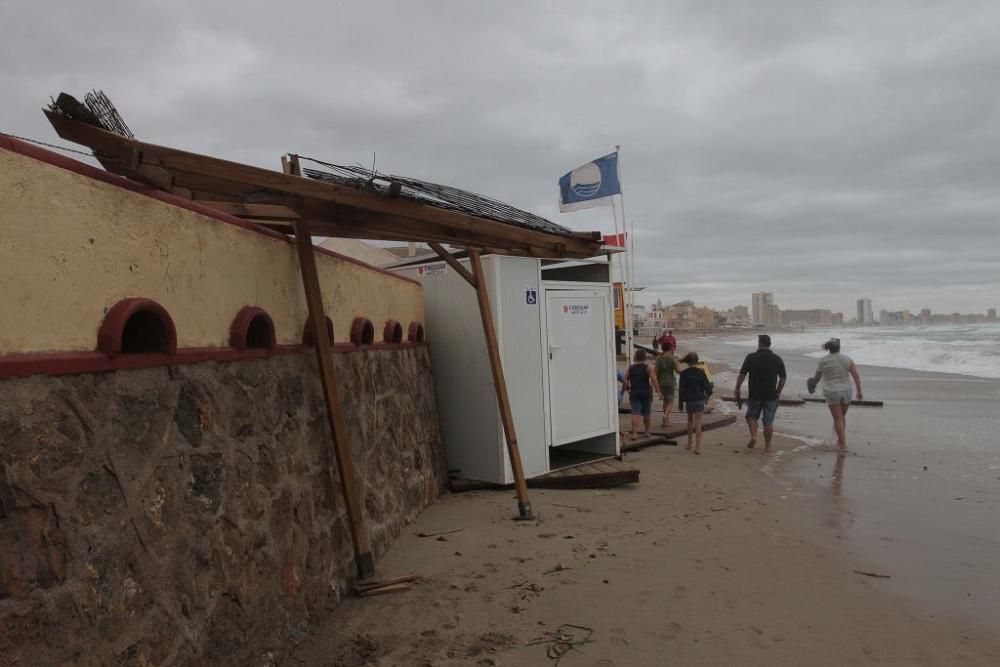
(960, 349)
(919, 493)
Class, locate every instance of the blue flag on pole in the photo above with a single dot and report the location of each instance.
(590, 185)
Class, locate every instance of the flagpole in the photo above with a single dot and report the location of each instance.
(626, 306)
(631, 265)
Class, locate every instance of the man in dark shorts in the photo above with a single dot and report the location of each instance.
(767, 379)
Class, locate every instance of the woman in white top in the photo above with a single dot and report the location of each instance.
(835, 370)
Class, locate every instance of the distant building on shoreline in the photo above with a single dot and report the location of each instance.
(814, 316)
(737, 317)
(865, 315)
(991, 315)
(682, 316)
(893, 317)
(765, 312)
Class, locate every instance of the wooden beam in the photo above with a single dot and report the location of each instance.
(341, 450)
(253, 210)
(453, 263)
(233, 175)
(506, 416)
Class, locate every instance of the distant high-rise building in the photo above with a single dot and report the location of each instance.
(991, 314)
(771, 316)
(759, 300)
(865, 315)
(741, 311)
(815, 316)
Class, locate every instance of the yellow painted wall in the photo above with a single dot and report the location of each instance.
(72, 246)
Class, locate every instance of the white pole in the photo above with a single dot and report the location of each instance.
(629, 316)
(621, 279)
(631, 267)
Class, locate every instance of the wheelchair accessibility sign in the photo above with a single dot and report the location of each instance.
(531, 296)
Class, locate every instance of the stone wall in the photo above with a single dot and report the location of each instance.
(188, 515)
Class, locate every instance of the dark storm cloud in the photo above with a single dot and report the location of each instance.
(823, 151)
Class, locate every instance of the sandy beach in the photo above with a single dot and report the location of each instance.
(707, 560)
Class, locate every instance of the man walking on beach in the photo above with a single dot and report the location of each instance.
(666, 368)
(767, 379)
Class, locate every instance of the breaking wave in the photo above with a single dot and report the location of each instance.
(961, 349)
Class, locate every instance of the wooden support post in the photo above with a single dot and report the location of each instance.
(338, 430)
(523, 503)
(453, 263)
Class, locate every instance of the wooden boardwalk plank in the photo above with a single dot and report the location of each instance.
(591, 474)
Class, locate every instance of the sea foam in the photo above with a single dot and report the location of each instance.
(969, 349)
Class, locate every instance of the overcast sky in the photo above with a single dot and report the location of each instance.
(823, 151)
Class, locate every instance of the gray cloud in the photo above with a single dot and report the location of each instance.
(824, 151)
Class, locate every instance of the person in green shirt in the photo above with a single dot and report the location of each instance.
(666, 368)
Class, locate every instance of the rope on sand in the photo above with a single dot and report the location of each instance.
(563, 640)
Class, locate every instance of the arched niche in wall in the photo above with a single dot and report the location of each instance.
(415, 333)
(252, 328)
(307, 333)
(392, 332)
(362, 331)
(137, 326)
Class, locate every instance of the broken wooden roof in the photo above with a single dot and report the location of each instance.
(336, 201)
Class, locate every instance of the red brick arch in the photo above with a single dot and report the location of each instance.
(252, 328)
(307, 333)
(415, 333)
(392, 332)
(137, 326)
(362, 331)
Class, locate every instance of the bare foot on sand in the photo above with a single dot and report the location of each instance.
(752, 443)
(768, 450)
(688, 446)
(698, 452)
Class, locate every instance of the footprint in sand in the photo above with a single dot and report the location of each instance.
(680, 592)
(617, 638)
(671, 631)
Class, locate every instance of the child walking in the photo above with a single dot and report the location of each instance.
(640, 381)
(694, 389)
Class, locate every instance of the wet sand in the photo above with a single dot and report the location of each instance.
(919, 494)
(707, 560)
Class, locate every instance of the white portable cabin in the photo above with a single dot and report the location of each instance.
(556, 340)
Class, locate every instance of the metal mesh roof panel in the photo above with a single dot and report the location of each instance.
(433, 194)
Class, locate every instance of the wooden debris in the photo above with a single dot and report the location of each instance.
(873, 574)
(781, 401)
(391, 588)
(440, 532)
(390, 585)
(865, 403)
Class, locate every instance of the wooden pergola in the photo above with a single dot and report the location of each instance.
(287, 201)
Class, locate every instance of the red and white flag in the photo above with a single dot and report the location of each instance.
(615, 240)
